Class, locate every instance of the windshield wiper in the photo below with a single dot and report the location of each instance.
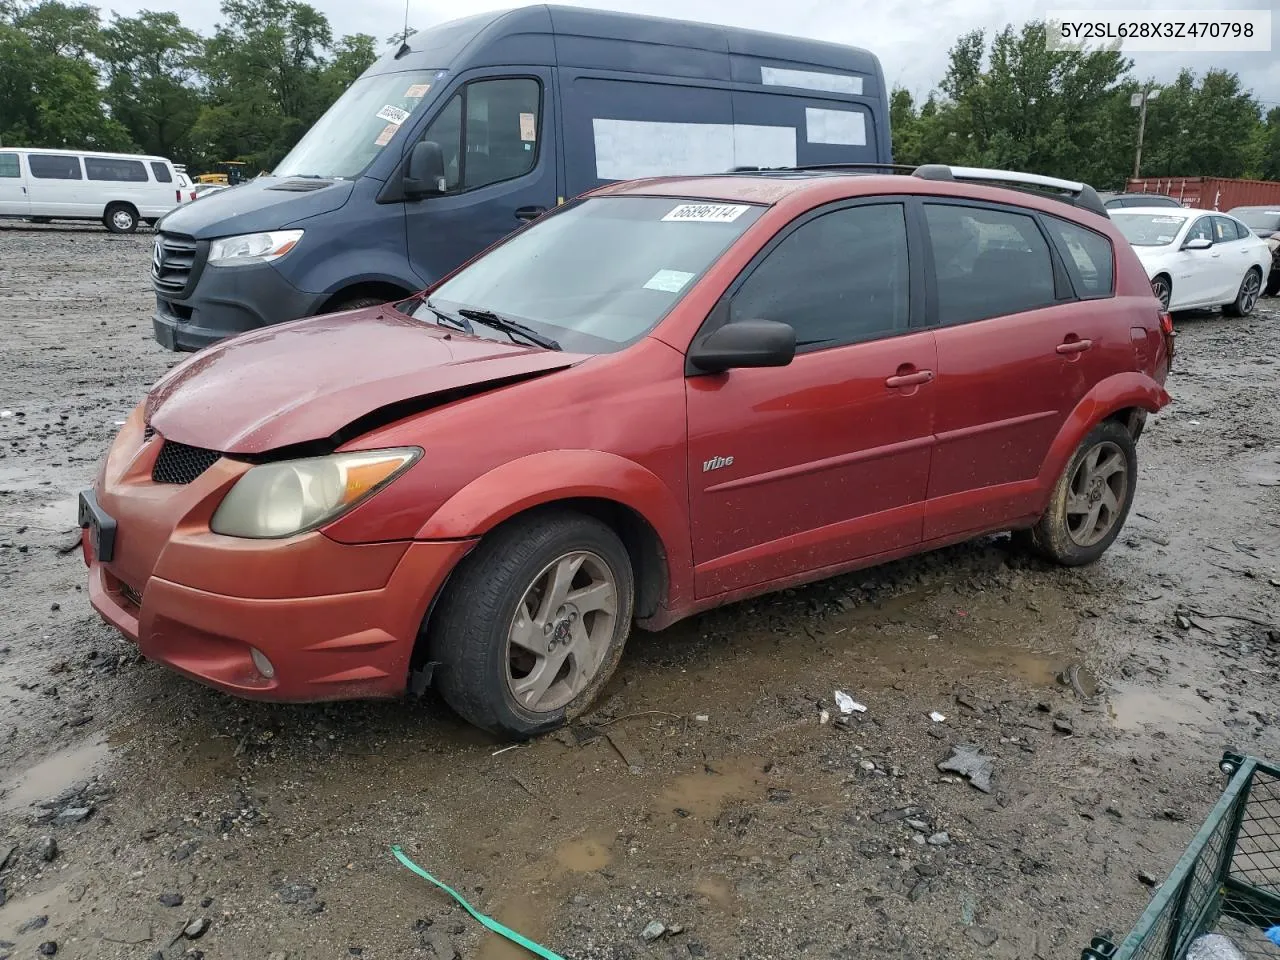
(461, 323)
(510, 327)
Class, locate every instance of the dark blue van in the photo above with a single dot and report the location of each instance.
(473, 127)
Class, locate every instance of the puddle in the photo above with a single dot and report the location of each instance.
(717, 890)
(583, 854)
(703, 794)
(52, 775)
(1133, 707)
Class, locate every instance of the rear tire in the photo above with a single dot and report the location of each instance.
(532, 623)
(1091, 499)
(1247, 296)
(1162, 287)
(42, 220)
(120, 218)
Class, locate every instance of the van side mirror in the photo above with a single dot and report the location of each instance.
(424, 177)
(749, 343)
(1199, 243)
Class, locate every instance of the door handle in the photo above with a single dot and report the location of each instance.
(909, 379)
(530, 213)
(1074, 346)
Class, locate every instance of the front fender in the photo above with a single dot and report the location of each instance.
(1120, 392)
(555, 475)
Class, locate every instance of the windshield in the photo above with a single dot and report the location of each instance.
(359, 124)
(599, 275)
(1148, 230)
(1259, 219)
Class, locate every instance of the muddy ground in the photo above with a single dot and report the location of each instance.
(707, 794)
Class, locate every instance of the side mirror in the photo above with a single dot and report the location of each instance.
(750, 343)
(1199, 243)
(424, 175)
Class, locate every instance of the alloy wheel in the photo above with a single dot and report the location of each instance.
(561, 631)
(1160, 287)
(1096, 496)
(1250, 290)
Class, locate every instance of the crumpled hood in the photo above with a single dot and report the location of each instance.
(304, 381)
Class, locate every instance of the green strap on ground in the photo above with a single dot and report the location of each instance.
(489, 922)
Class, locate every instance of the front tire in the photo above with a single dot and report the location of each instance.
(533, 623)
(355, 303)
(1247, 297)
(120, 218)
(1091, 499)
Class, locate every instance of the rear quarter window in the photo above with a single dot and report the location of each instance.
(54, 166)
(1088, 256)
(9, 166)
(161, 172)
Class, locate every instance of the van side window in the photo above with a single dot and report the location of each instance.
(988, 263)
(161, 171)
(113, 168)
(488, 132)
(9, 165)
(54, 166)
(839, 278)
(1087, 255)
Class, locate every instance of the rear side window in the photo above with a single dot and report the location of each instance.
(840, 278)
(1224, 230)
(112, 168)
(161, 172)
(54, 166)
(1088, 257)
(9, 165)
(988, 263)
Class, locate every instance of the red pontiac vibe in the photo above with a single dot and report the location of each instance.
(668, 395)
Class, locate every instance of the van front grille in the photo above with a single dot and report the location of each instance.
(179, 463)
(172, 260)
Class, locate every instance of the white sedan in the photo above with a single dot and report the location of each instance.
(1197, 258)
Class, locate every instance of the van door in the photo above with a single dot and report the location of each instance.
(497, 134)
(13, 187)
(57, 187)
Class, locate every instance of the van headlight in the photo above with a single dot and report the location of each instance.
(282, 499)
(253, 248)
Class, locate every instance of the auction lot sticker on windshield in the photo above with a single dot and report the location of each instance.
(668, 281)
(1166, 219)
(707, 212)
(383, 138)
(392, 114)
(417, 91)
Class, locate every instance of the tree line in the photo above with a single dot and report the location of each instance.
(69, 78)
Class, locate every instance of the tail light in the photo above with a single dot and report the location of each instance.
(193, 194)
(1166, 323)
(177, 196)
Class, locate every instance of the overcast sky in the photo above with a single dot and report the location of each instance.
(911, 37)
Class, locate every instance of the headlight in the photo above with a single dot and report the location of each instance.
(253, 247)
(281, 499)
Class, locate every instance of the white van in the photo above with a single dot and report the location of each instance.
(117, 188)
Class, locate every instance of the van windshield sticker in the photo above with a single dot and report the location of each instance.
(417, 91)
(383, 138)
(528, 128)
(669, 281)
(707, 212)
(392, 114)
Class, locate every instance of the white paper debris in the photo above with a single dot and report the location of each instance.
(702, 718)
(847, 704)
(823, 717)
(5, 414)
(936, 717)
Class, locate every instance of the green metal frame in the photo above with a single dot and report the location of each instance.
(1233, 898)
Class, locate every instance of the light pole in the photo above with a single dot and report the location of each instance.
(1139, 100)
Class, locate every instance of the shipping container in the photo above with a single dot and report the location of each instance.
(1210, 193)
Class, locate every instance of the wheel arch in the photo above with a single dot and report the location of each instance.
(642, 509)
(384, 290)
(1126, 398)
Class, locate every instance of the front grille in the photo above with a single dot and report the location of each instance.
(179, 463)
(172, 261)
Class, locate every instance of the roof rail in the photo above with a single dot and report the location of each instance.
(1071, 191)
(1080, 194)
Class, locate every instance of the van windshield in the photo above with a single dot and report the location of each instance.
(597, 276)
(1146, 229)
(359, 124)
